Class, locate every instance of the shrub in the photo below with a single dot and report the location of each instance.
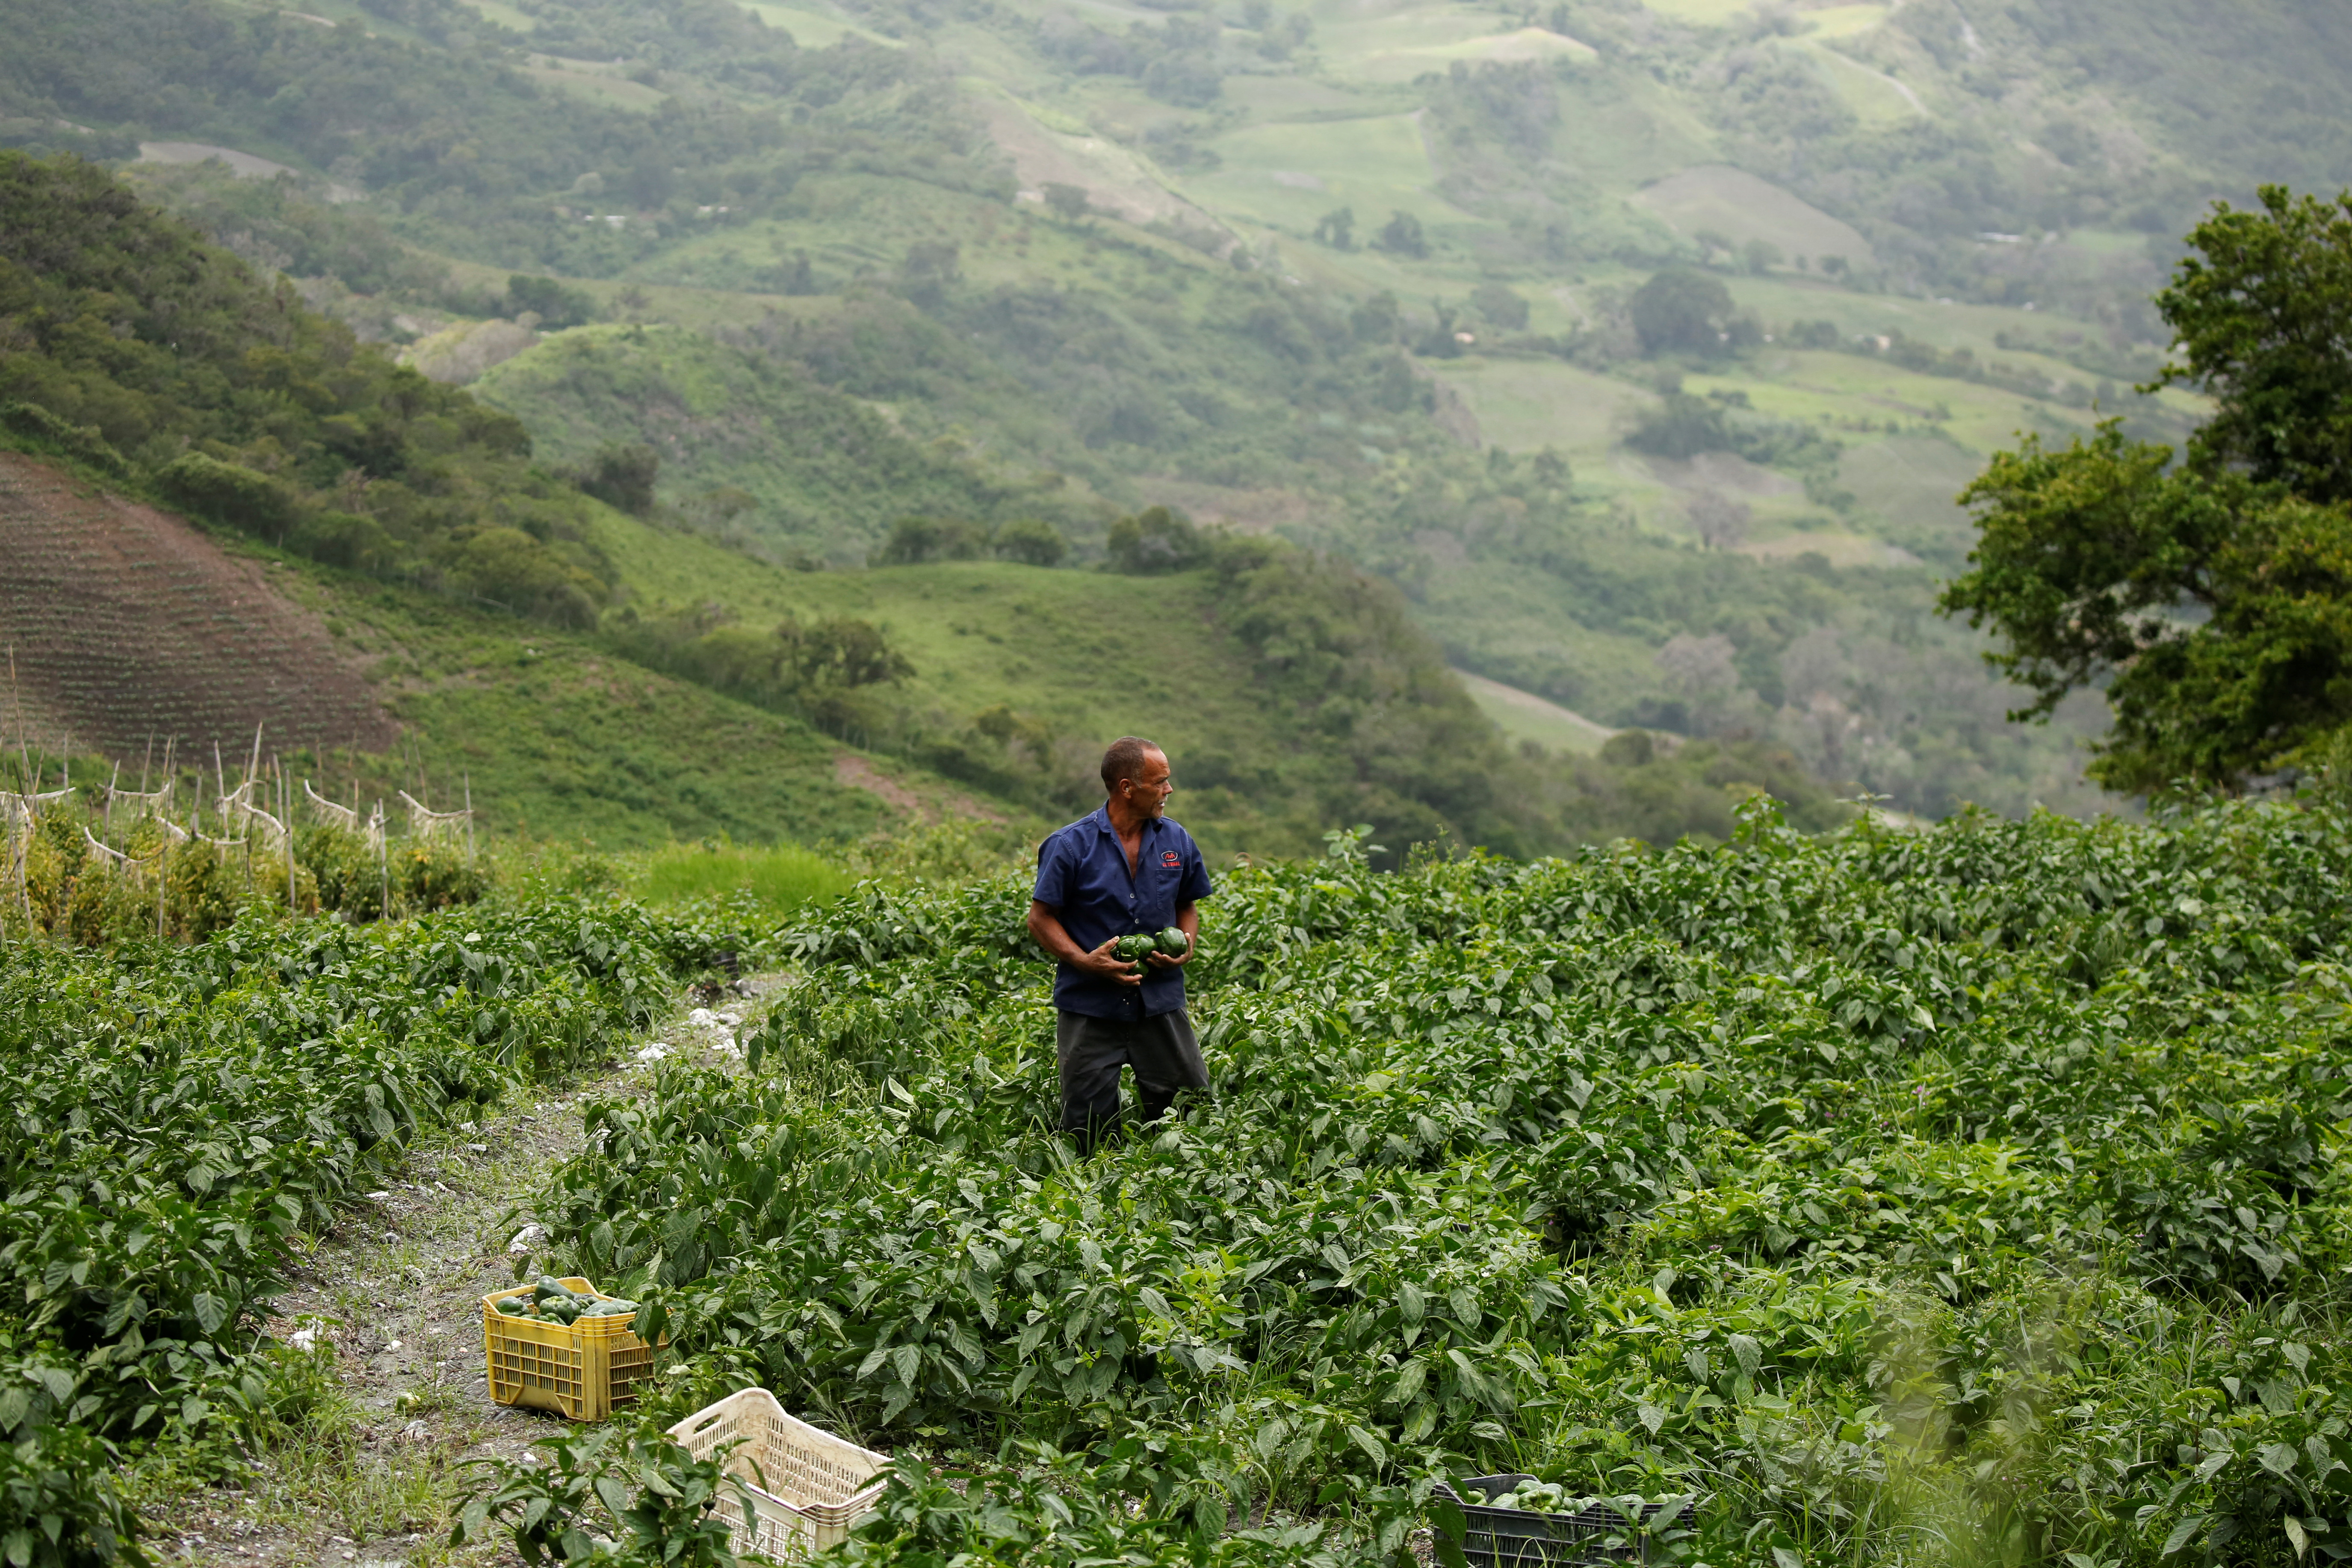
(1032, 541)
(229, 493)
(1156, 541)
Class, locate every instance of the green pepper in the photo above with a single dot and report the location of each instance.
(513, 1307)
(1173, 942)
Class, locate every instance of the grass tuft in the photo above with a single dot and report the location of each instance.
(781, 877)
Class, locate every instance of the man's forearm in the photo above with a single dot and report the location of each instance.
(1047, 927)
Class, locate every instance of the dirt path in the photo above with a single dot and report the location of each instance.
(392, 1300)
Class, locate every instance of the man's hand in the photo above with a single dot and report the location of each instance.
(1124, 971)
(1187, 920)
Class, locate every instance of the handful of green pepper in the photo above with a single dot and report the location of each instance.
(1143, 944)
(553, 1301)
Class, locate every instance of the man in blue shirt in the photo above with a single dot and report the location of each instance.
(1125, 868)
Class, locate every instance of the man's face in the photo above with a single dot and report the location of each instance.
(1149, 790)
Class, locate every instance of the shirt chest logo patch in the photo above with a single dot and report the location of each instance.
(1170, 859)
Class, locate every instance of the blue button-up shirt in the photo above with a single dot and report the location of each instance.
(1082, 877)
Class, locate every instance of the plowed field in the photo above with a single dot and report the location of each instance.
(127, 622)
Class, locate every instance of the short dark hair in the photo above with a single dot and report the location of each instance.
(1123, 760)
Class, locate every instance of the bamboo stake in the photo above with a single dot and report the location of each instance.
(384, 865)
(107, 822)
(163, 868)
(147, 759)
(286, 816)
(469, 817)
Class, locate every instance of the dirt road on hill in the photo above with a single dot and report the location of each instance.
(390, 1300)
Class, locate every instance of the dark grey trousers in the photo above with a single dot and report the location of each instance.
(1090, 1051)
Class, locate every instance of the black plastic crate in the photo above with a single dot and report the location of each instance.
(1507, 1537)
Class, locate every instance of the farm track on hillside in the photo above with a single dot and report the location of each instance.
(127, 626)
(394, 1298)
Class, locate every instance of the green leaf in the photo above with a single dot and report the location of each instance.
(2181, 1534)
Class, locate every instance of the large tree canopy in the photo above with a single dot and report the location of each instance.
(2211, 595)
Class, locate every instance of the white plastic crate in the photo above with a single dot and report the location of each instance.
(816, 1486)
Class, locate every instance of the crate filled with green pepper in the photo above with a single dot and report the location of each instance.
(559, 1345)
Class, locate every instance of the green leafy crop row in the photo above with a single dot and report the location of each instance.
(1973, 1193)
(179, 1118)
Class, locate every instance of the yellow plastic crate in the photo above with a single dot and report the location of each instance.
(582, 1370)
(810, 1488)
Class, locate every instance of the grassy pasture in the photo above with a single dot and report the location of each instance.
(1374, 165)
(1403, 64)
(580, 79)
(1525, 405)
(813, 29)
(1844, 21)
(1524, 716)
(1741, 206)
(780, 878)
(1877, 98)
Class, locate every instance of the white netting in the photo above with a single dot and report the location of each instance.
(424, 822)
(23, 808)
(368, 827)
(154, 802)
(256, 820)
(134, 864)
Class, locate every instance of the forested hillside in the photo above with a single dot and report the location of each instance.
(507, 594)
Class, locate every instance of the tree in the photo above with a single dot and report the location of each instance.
(1680, 425)
(1068, 203)
(1500, 305)
(916, 540)
(1401, 236)
(1032, 541)
(622, 477)
(2217, 610)
(1682, 311)
(1156, 541)
(1337, 228)
(556, 306)
(1719, 520)
(2212, 595)
(2260, 321)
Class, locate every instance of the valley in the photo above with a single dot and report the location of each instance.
(1366, 276)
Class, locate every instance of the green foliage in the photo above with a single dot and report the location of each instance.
(823, 671)
(1501, 305)
(1985, 1179)
(2254, 311)
(623, 475)
(2086, 561)
(1031, 540)
(556, 306)
(606, 1481)
(1680, 425)
(232, 399)
(1681, 312)
(779, 878)
(253, 502)
(181, 1115)
(1403, 236)
(43, 431)
(915, 540)
(2214, 600)
(1156, 541)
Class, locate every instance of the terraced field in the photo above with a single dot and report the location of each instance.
(128, 626)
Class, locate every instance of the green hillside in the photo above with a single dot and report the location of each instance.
(1382, 279)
